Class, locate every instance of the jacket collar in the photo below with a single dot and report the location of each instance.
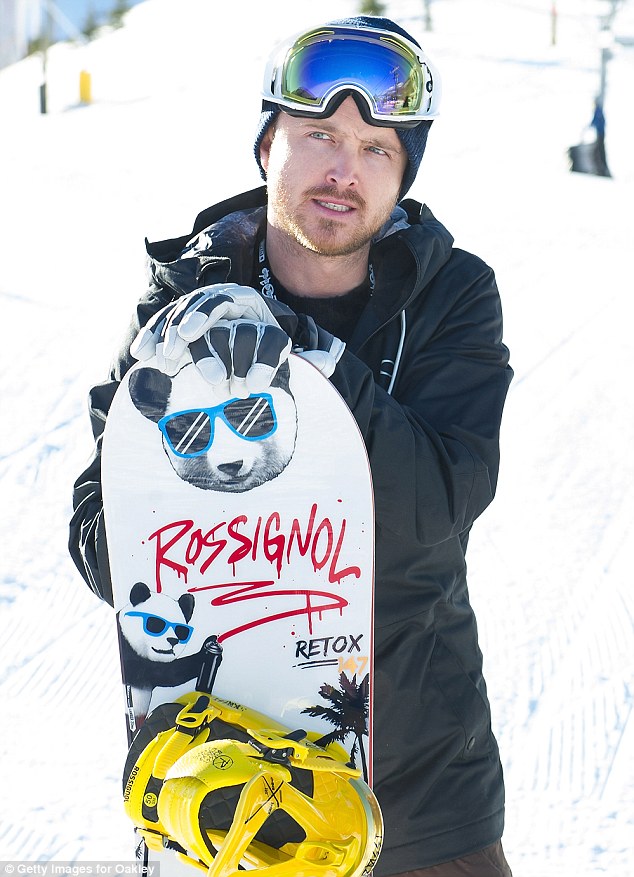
(405, 260)
(406, 254)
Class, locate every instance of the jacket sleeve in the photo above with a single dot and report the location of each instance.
(434, 444)
(87, 538)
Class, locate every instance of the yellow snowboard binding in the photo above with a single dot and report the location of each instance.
(228, 788)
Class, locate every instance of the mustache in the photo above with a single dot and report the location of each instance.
(331, 193)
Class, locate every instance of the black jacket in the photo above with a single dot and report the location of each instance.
(433, 448)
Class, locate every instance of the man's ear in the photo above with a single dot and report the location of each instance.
(265, 146)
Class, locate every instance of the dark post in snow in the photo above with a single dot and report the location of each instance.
(427, 19)
(47, 35)
(606, 39)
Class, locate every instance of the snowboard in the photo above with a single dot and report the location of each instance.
(241, 542)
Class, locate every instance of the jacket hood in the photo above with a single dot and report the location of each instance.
(412, 241)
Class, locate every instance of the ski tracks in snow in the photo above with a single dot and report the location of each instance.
(557, 618)
(62, 740)
(549, 563)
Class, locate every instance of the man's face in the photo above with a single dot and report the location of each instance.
(332, 183)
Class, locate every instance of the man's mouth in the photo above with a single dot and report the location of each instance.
(339, 208)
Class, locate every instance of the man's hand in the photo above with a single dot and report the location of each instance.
(316, 345)
(231, 333)
(234, 336)
(173, 329)
(242, 355)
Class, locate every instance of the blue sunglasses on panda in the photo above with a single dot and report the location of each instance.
(191, 433)
(154, 625)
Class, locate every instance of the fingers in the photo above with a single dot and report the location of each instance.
(321, 359)
(273, 349)
(243, 345)
(324, 360)
(223, 302)
(318, 346)
(144, 345)
(150, 342)
(212, 355)
(241, 355)
(169, 333)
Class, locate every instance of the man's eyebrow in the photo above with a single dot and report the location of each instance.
(329, 126)
(388, 147)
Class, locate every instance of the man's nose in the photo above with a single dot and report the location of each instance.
(344, 169)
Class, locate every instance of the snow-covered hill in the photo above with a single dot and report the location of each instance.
(169, 131)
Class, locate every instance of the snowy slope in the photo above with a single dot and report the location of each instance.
(169, 132)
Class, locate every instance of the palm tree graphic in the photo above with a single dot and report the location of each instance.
(347, 712)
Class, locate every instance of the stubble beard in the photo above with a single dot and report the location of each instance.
(327, 237)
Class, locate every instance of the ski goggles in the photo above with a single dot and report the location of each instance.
(191, 433)
(154, 625)
(398, 82)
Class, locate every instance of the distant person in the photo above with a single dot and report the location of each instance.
(408, 328)
(598, 123)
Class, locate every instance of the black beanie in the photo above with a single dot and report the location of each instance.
(413, 139)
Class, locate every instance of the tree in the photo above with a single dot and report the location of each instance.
(118, 11)
(91, 23)
(347, 713)
(372, 7)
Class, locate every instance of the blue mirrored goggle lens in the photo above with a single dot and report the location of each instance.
(392, 83)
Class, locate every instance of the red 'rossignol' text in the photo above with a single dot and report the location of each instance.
(182, 546)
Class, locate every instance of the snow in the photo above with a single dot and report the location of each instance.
(169, 131)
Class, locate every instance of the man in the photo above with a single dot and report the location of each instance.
(408, 329)
(598, 123)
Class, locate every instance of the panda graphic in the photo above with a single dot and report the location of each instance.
(154, 630)
(233, 446)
